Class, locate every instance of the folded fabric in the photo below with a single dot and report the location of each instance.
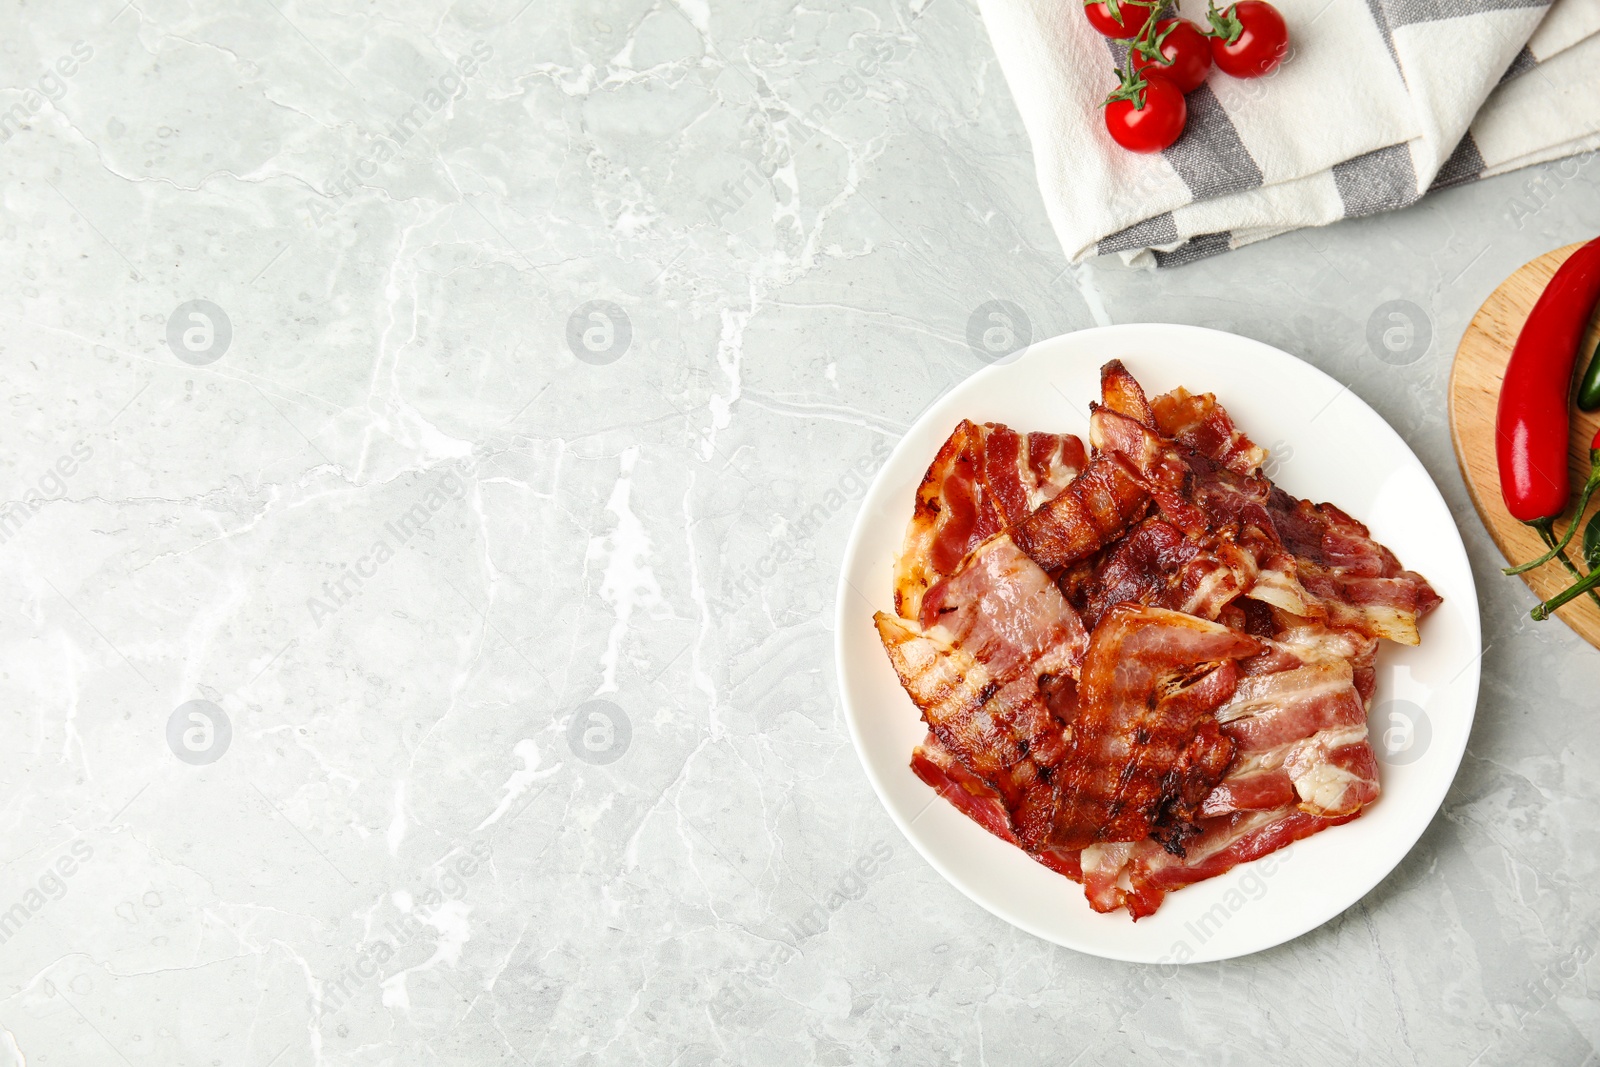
(1568, 22)
(1550, 113)
(1370, 110)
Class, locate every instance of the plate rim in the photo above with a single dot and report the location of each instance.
(853, 548)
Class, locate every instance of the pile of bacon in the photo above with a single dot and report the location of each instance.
(1148, 664)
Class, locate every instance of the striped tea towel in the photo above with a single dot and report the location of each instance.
(1364, 115)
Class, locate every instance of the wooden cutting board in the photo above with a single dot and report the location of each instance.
(1475, 379)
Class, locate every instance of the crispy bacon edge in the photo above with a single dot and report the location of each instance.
(984, 479)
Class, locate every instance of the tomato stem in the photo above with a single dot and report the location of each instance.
(1131, 88)
(1131, 83)
(1225, 24)
(1149, 42)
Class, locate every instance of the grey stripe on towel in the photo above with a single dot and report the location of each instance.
(1524, 62)
(1198, 247)
(1464, 165)
(1156, 230)
(1209, 157)
(1378, 181)
(1376, 6)
(1390, 15)
(1406, 12)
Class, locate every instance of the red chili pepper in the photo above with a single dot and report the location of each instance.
(1533, 424)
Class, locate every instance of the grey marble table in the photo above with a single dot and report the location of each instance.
(417, 649)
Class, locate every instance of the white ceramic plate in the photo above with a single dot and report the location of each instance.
(1329, 446)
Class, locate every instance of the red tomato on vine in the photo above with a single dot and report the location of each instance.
(1178, 51)
(1248, 39)
(1118, 18)
(1146, 113)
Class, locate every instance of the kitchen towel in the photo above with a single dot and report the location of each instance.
(1371, 109)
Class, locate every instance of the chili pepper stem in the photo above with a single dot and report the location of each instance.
(1584, 583)
(1583, 505)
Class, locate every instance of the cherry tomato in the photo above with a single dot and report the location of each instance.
(1127, 22)
(1186, 51)
(1249, 39)
(1155, 125)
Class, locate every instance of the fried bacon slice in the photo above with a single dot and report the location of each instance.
(1095, 508)
(956, 782)
(1355, 581)
(1161, 465)
(1156, 564)
(1003, 730)
(1137, 875)
(1144, 741)
(1199, 423)
(1122, 393)
(1005, 612)
(1298, 720)
(991, 665)
(939, 768)
(985, 479)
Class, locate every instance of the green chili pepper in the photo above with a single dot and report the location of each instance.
(1591, 541)
(1589, 388)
